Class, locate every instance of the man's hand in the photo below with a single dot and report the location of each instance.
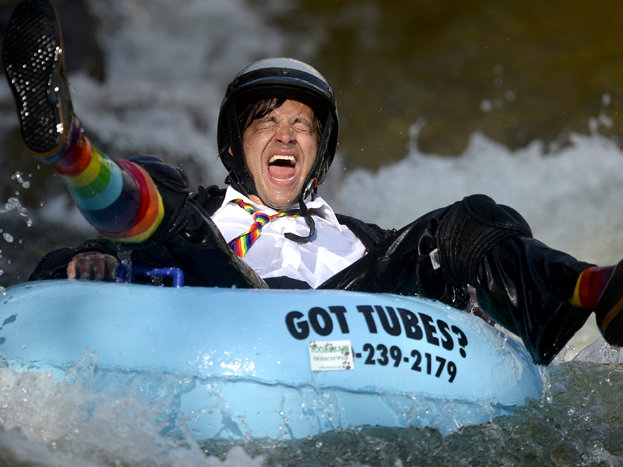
(92, 265)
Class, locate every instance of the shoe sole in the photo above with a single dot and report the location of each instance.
(33, 61)
(609, 308)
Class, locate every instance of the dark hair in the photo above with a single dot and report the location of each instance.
(263, 107)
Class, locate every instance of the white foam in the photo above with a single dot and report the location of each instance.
(572, 197)
(50, 423)
(168, 64)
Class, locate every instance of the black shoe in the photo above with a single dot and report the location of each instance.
(34, 65)
(609, 308)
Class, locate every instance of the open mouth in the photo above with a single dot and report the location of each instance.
(282, 167)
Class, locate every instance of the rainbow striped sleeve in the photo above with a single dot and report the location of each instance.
(118, 198)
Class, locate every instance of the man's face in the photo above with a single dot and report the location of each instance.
(280, 150)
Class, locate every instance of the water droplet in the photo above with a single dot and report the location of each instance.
(8, 237)
(12, 203)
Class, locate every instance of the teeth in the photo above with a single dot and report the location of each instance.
(282, 157)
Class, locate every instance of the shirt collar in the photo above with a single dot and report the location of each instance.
(315, 202)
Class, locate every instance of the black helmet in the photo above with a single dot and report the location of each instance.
(284, 78)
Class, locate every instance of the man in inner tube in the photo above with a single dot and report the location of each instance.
(277, 135)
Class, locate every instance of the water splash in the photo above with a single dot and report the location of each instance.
(18, 176)
(75, 419)
(558, 431)
(7, 236)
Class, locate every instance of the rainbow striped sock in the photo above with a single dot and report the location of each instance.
(118, 198)
(589, 286)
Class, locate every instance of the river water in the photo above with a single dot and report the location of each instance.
(520, 100)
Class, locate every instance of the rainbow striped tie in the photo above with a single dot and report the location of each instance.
(241, 244)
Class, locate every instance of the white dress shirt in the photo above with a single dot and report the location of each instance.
(333, 248)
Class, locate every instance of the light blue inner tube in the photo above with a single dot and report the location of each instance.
(274, 363)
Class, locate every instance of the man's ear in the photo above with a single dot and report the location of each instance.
(231, 153)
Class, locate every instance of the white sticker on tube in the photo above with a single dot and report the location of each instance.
(331, 355)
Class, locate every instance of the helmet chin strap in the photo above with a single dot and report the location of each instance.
(308, 220)
(234, 182)
(233, 158)
(247, 188)
(312, 183)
